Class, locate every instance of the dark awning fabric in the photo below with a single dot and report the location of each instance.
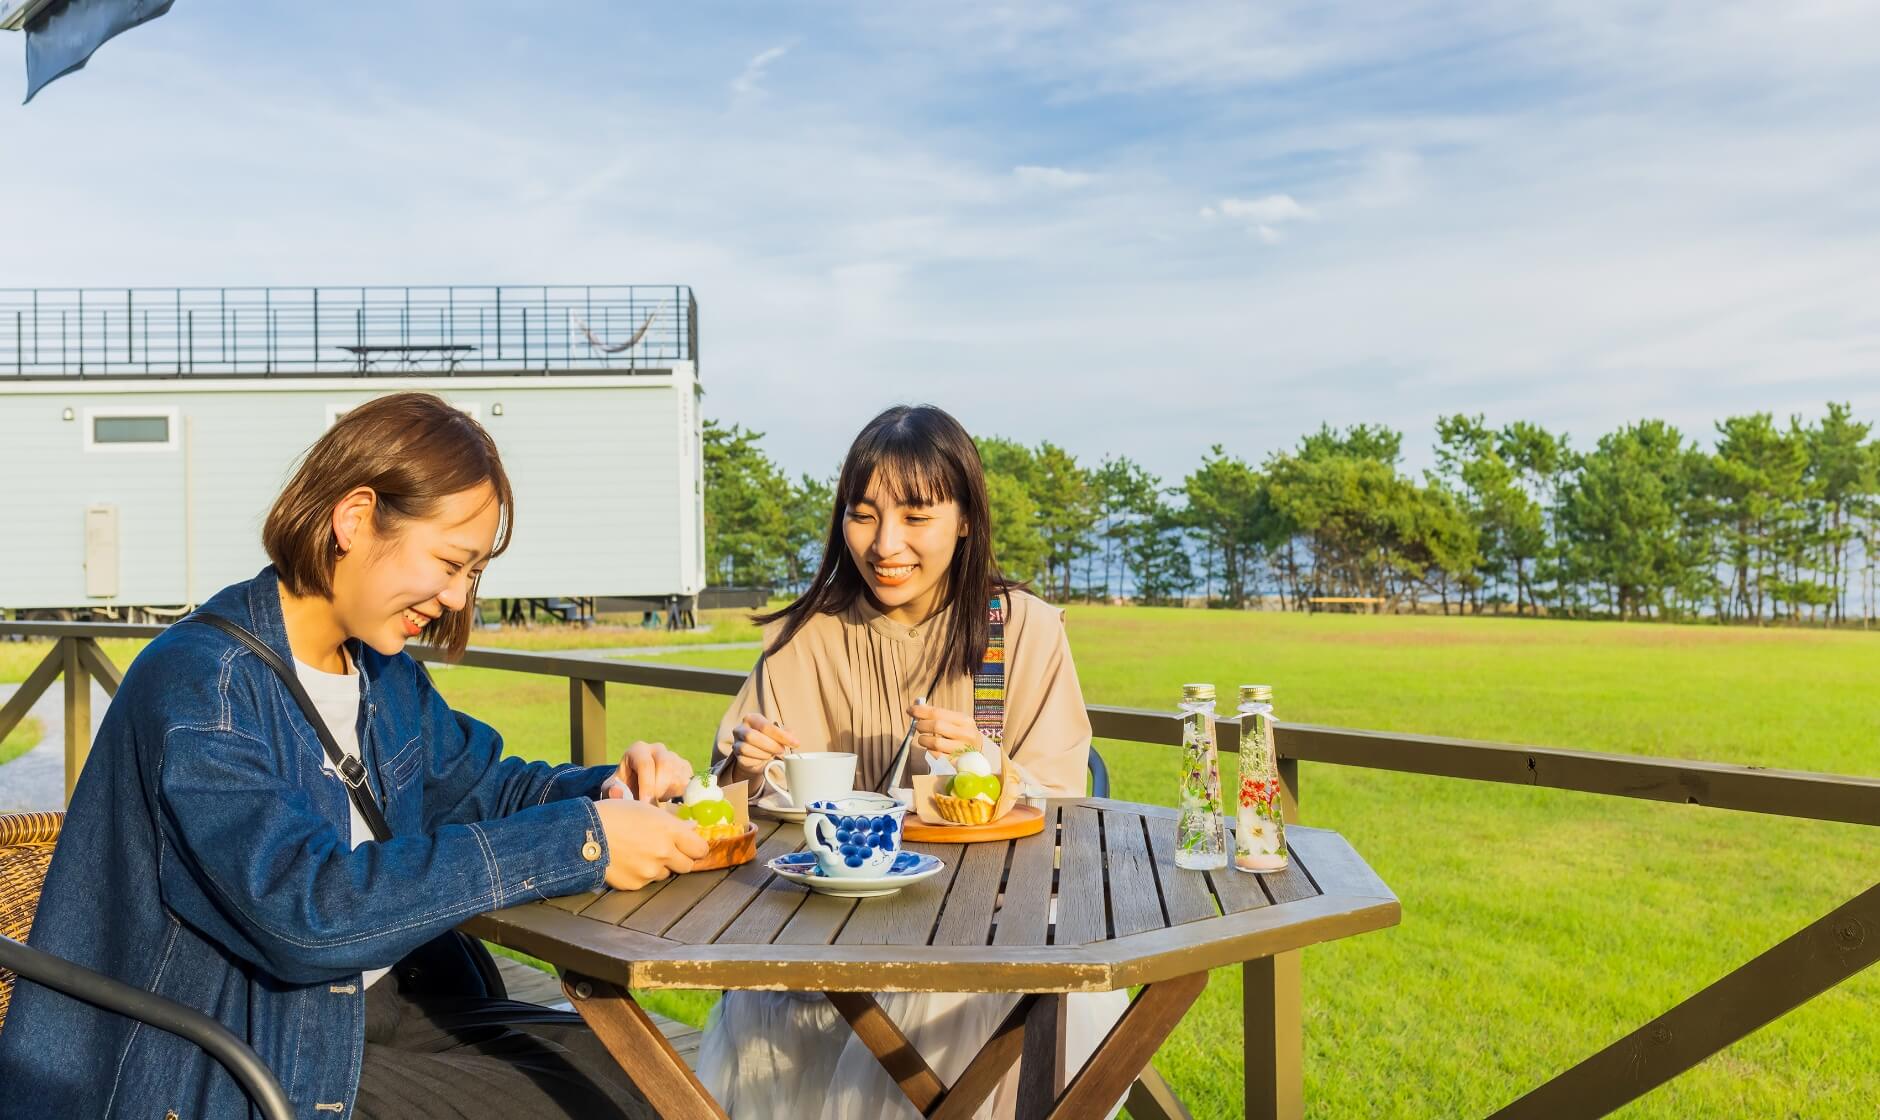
(61, 39)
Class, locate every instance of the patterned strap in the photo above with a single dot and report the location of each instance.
(989, 682)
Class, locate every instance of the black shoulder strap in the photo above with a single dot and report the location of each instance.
(351, 770)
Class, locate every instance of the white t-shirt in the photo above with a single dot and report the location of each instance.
(336, 697)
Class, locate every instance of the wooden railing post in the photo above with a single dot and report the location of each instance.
(1289, 789)
(1273, 1007)
(1820, 956)
(587, 722)
(77, 712)
(28, 694)
(1275, 1037)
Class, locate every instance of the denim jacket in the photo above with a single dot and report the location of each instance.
(206, 857)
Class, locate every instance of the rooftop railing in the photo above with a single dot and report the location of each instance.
(366, 331)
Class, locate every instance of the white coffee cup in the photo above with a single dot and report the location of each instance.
(812, 776)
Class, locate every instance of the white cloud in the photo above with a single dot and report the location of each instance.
(749, 83)
(1262, 216)
(1052, 178)
(1270, 208)
(1647, 217)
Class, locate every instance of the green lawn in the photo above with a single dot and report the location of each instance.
(619, 630)
(1538, 926)
(21, 739)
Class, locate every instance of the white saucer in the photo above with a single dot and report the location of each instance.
(775, 805)
(909, 868)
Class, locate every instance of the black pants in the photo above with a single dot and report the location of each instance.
(460, 1058)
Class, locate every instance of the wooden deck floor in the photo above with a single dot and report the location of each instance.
(532, 985)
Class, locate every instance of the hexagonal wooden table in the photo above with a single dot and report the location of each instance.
(1094, 903)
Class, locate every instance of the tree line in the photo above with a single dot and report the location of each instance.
(1776, 521)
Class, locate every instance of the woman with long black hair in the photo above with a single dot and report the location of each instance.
(908, 603)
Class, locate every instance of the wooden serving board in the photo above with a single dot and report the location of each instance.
(731, 852)
(1023, 820)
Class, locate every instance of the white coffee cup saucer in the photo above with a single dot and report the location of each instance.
(780, 807)
(907, 869)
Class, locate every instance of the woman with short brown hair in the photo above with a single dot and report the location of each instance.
(280, 808)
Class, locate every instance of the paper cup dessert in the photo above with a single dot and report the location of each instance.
(980, 792)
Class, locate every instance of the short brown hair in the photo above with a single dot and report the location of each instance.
(413, 450)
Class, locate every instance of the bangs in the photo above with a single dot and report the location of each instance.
(905, 471)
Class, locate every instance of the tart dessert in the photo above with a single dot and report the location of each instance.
(972, 794)
(705, 805)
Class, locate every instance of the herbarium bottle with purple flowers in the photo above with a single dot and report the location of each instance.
(1200, 834)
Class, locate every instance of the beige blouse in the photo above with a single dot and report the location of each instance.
(845, 681)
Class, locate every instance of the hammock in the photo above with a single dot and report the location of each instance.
(596, 343)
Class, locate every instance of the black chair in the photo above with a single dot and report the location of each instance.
(1099, 775)
(102, 991)
(26, 844)
(451, 964)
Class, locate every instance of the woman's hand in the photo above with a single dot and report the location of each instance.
(646, 843)
(756, 740)
(943, 732)
(648, 772)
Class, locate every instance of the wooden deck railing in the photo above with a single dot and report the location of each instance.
(1816, 958)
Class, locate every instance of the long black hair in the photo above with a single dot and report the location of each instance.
(919, 456)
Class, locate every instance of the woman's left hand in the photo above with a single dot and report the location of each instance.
(944, 732)
(648, 772)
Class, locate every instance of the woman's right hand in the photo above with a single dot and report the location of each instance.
(646, 843)
(756, 740)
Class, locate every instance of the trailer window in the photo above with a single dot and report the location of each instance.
(130, 429)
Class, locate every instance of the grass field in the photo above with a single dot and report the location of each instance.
(1538, 926)
(21, 739)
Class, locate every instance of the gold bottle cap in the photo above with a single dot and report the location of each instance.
(1256, 693)
(1193, 692)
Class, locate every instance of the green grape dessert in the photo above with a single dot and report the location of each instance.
(972, 794)
(704, 804)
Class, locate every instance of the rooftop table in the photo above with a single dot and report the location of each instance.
(1093, 903)
(410, 353)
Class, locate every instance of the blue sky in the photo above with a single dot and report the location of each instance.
(1128, 228)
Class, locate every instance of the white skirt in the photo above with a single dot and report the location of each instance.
(791, 1056)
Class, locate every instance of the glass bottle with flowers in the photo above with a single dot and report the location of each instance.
(1201, 835)
(1259, 824)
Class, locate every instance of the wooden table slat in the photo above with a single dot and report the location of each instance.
(967, 919)
(817, 921)
(1185, 893)
(1080, 902)
(615, 907)
(766, 916)
(575, 903)
(1329, 859)
(1290, 885)
(1135, 903)
(723, 903)
(673, 903)
(1238, 890)
(1024, 914)
(906, 918)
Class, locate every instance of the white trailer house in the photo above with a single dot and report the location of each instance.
(144, 433)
